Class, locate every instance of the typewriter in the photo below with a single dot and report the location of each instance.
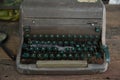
(62, 37)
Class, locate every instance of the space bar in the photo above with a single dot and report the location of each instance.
(61, 64)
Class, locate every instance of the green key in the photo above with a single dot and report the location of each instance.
(40, 36)
(54, 43)
(49, 49)
(27, 35)
(33, 55)
(43, 49)
(60, 43)
(42, 42)
(31, 49)
(85, 49)
(83, 45)
(76, 56)
(89, 56)
(91, 49)
(70, 56)
(79, 49)
(86, 36)
(25, 55)
(57, 36)
(64, 56)
(34, 36)
(37, 49)
(48, 42)
(67, 49)
(36, 42)
(83, 56)
(92, 37)
(97, 29)
(46, 36)
(58, 56)
(45, 56)
(55, 49)
(73, 49)
(71, 42)
(80, 36)
(98, 55)
(51, 36)
(39, 56)
(75, 36)
(52, 56)
(96, 37)
(66, 43)
(89, 43)
(77, 46)
(63, 36)
(69, 36)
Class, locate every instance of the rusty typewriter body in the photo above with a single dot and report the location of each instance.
(62, 37)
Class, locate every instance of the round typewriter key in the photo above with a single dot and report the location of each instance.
(86, 36)
(91, 37)
(27, 35)
(96, 37)
(77, 46)
(45, 56)
(39, 56)
(82, 56)
(75, 36)
(58, 36)
(67, 49)
(63, 36)
(34, 36)
(60, 43)
(31, 48)
(25, 55)
(40, 36)
(46, 36)
(64, 56)
(71, 43)
(79, 49)
(51, 36)
(98, 55)
(97, 29)
(66, 43)
(76, 56)
(33, 55)
(54, 43)
(91, 49)
(70, 56)
(48, 42)
(52, 56)
(43, 49)
(80, 36)
(69, 36)
(73, 49)
(58, 56)
(85, 49)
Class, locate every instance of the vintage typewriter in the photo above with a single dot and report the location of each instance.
(62, 37)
